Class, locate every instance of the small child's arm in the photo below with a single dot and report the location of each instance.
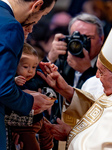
(20, 80)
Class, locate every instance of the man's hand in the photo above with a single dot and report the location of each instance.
(41, 102)
(58, 48)
(16, 139)
(59, 131)
(79, 64)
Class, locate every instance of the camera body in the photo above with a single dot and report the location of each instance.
(76, 42)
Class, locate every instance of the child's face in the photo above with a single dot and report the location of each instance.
(27, 66)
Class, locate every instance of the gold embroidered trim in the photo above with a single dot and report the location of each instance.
(104, 61)
(91, 116)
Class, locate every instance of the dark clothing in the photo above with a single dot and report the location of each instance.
(27, 136)
(28, 128)
(11, 44)
(68, 73)
(75, 7)
(34, 84)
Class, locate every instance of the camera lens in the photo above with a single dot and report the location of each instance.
(75, 47)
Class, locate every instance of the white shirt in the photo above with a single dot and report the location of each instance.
(77, 74)
(7, 2)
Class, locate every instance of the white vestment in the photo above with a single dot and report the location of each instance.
(94, 86)
(94, 130)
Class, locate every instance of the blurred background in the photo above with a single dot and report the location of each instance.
(58, 19)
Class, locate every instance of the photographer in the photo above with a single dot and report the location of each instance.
(93, 131)
(75, 69)
(79, 69)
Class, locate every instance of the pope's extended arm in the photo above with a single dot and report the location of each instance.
(56, 81)
(77, 102)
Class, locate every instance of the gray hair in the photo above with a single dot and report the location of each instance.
(88, 18)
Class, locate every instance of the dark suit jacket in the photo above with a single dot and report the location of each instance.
(11, 43)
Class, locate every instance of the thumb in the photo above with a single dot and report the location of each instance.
(59, 121)
(59, 36)
(86, 53)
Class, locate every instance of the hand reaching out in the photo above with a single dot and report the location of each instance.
(55, 80)
(41, 101)
(48, 67)
(52, 76)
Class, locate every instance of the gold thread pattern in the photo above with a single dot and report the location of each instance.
(104, 61)
(91, 116)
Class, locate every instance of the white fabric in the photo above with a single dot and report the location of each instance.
(7, 2)
(107, 48)
(94, 86)
(96, 137)
(77, 74)
(93, 61)
(99, 135)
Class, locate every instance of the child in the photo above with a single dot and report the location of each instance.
(26, 79)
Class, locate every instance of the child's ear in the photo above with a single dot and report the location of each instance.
(37, 5)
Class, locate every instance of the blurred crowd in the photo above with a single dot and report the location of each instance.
(57, 22)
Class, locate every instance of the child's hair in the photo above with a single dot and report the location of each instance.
(28, 49)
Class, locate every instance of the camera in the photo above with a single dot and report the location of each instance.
(76, 42)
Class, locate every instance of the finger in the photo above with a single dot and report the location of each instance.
(54, 67)
(47, 100)
(49, 127)
(58, 36)
(59, 121)
(48, 69)
(21, 145)
(85, 52)
(45, 67)
(16, 139)
(41, 65)
(40, 90)
(62, 47)
(14, 135)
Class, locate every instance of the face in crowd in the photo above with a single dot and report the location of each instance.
(34, 18)
(27, 66)
(105, 77)
(91, 31)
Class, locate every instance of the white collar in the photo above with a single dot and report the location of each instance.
(93, 61)
(7, 2)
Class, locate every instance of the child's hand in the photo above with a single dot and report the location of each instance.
(48, 67)
(20, 80)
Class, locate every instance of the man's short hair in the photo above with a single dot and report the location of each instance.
(88, 18)
(46, 3)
